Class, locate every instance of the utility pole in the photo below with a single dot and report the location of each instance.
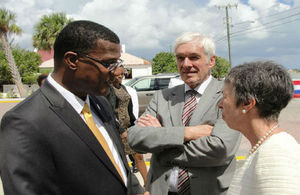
(228, 28)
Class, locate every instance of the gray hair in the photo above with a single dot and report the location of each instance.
(204, 41)
(265, 81)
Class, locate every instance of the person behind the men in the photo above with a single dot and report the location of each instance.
(122, 103)
(41, 79)
(61, 139)
(253, 97)
(192, 152)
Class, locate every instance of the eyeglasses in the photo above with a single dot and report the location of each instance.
(109, 66)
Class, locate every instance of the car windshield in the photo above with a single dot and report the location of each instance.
(131, 81)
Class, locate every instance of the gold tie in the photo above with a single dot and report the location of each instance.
(91, 124)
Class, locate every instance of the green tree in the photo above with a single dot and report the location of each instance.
(27, 63)
(46, 30)
(221, 68)
(164, 62)
(8, 26)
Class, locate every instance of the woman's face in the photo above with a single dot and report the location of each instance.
(119, 75)
(230, 112)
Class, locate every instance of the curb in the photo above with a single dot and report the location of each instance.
(148, 162)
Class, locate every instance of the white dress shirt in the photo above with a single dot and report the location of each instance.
(134, 99)
(78, 105)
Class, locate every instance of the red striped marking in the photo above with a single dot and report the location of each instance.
(296, 95)
(296, 82)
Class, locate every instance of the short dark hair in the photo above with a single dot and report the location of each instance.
(81, 36)
(265, 81)
(40, 78)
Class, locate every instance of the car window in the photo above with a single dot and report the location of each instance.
(131, 81)
(162, 83)
(175, 81)
(146, 84)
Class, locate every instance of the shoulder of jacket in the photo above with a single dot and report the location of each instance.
(217, 84)
(173, 90)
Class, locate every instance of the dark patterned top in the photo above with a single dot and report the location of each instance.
(123, 100)
(122, 107)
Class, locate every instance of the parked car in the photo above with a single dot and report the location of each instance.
(146, 86)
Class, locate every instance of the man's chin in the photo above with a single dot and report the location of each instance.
(104, 92)
(192, 83)
(100, 92)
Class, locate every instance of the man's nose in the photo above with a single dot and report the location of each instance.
(187, 62)
(220, 104)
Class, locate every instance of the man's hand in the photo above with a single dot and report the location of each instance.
(148, 121)
(195, 132)
(146, 193)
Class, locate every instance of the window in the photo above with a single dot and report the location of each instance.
(162, 83)
(145, 85)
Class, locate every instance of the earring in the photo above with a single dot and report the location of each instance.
(244, 111)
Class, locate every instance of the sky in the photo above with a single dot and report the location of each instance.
(260, 29)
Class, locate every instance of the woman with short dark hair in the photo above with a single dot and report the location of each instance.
(41, 79)
(253, 96)
(121, 101)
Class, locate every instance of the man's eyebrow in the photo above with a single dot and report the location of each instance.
(190, 54)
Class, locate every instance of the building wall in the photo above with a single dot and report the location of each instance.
(141, 70)
(45, 70)
(11, 91)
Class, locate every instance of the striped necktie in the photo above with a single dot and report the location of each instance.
(188, 109)
(91, 124)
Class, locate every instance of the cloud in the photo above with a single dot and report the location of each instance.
(151, 24)
(270, 49)
(223, 2)
(296, 3)
(262, 5)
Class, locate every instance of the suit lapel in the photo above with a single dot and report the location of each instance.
(72, 119)
(207, 99)
(176, 103)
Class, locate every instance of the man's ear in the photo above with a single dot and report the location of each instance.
(71, 59)
(212, 61)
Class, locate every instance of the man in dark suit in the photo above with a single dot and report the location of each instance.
(62, 139)
(192, 148)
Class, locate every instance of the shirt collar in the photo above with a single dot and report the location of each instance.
(201, 88)
(73, 100)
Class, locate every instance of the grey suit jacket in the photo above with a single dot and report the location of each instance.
(210, 160)
(48, 149)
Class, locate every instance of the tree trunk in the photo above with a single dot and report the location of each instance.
(12, 65)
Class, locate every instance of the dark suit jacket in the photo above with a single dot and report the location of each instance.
(48, 149)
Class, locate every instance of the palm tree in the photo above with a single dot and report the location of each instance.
(47, 29)
(8, 26)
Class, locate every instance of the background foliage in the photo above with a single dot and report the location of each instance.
(27, 63)
(221, 68)
(47, 29)
(164, 62)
